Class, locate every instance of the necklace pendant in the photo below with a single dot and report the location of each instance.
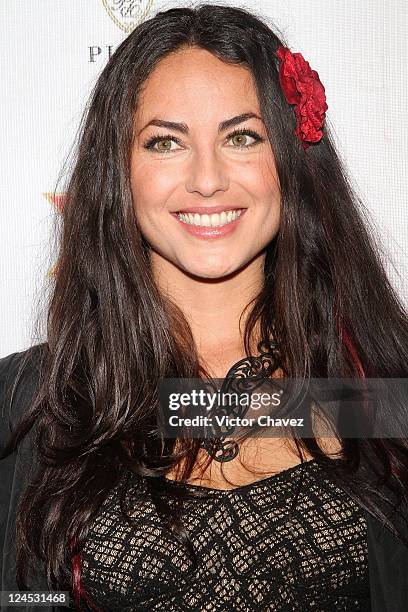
(239, 376)
(221, 450)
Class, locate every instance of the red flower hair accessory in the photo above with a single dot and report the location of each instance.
(302, 87)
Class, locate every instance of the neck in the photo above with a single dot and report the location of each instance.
(213, 307)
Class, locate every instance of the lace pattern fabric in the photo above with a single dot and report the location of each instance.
(253, 554)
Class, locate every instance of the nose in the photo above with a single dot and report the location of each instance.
(207, 173)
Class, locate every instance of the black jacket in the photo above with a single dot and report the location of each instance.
(387, 556)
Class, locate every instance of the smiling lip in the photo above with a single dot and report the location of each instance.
(208, 233)
(208, 210)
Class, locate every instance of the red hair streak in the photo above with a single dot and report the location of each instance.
(77, 588)
(352, 351)
(348, 343)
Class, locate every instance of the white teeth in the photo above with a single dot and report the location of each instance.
(215, 220)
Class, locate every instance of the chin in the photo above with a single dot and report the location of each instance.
(212, 272)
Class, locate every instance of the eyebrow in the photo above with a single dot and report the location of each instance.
(183, 128)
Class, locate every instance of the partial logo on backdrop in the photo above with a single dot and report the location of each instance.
(57, 200)
(127, 14)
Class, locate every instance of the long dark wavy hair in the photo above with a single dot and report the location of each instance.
(112, 335)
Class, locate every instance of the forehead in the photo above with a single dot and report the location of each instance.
(192, 80)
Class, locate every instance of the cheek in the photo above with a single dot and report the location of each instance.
(269, 185)
(260, 179)
(269, 200)
(153, 176)
(141, 186)
(151, 189)
(269, 194)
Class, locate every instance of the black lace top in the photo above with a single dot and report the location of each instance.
(252, 553)
(253, 550)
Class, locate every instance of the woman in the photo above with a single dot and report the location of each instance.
(199, 112)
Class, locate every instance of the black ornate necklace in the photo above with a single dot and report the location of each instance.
(245, 375)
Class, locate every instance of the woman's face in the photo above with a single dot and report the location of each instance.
(202, 167)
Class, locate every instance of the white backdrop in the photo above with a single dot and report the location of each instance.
(52, 53)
